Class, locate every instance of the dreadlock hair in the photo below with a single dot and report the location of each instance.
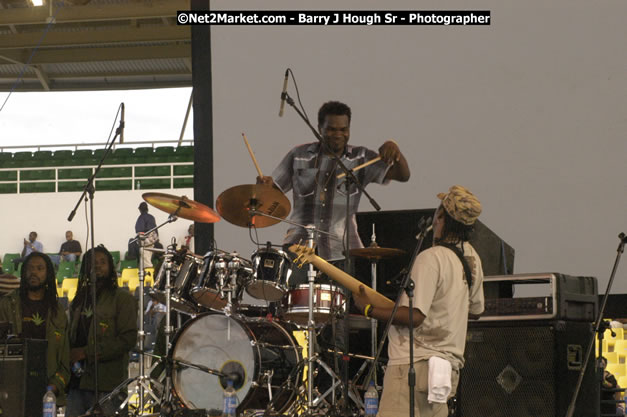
(50, 295)
(453, 231)
(335, 108)
(83, 277)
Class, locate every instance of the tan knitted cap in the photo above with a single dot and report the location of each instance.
(461, 204)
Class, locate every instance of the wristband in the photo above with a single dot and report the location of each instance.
(367, 309)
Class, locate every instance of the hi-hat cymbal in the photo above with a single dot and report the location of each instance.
(376, 252)
(236, 203)
(182, 207)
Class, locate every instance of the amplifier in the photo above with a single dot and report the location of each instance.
(22, 377)
(543, 296)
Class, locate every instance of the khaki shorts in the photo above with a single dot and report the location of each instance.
(395, 397)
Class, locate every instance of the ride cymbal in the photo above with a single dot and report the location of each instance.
(182, 207)
(376, 252)
(236, 203)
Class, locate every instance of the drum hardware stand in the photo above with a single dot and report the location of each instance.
(144, 382)
(407, 285)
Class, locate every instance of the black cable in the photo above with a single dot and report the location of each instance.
(298, 95)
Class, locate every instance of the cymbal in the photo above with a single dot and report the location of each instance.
(155, 250)
(235, 204)
(182, 207)
(376, 252)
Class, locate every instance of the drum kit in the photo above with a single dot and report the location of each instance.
(273, 373)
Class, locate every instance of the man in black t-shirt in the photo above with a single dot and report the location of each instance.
(70, 250)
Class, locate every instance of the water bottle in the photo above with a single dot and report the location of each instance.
(230, 401)
(50, 403)
(371, 400)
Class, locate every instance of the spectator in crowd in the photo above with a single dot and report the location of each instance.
(70, 250)
(187, 241)
(30, 245)
(116, 322)
(609, 393)
(35, 313)
(144, 223)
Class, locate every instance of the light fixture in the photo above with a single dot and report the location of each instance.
(37, 2)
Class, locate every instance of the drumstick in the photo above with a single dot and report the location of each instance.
(252, 155)
(364, 165)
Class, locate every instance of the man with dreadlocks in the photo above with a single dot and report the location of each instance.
(35, 313)
(116, 325)
(448, 279)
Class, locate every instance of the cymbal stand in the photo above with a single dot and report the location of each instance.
(373, 321)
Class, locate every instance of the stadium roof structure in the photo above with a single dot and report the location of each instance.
(87, 45)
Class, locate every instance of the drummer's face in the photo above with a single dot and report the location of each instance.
(336, 131)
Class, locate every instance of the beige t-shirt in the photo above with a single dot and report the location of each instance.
(441, 294)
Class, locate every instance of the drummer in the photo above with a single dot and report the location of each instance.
(319, 197)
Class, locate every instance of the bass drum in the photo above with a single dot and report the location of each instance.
(256, 352)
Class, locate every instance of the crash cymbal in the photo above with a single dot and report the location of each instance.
(235, 204)
(182, 207)
(376, 252)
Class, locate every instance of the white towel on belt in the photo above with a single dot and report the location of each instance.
(439, 380)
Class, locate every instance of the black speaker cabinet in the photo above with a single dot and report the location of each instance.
(22, 378)
(526, 369)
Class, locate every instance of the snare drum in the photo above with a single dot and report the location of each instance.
(261, 354)
(215, 277)
(327, 300)
(182, 276)
(271, 271)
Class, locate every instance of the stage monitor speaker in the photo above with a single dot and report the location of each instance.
(398, 229)
(524, 369)
(23, 378)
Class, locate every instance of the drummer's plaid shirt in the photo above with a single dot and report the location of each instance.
(319, 198)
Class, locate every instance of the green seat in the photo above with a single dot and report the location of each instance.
(8, 175)
(115, 254)
(114, 184)
(128, 264)
(187, 152)
(63, 157)
(8, 188)
(121, 172)
(162, 171)
(144, 155)
(83, 157)
(184, 169)
(7, 262)
(183, 183)
(67, 269)
(120, 156)
(5, 156)
(144, 171)
(72, 173)
(148, 184)
(37, 187)
(71, 186)
(165, 154)
(37, 174)
(44, 158)
(24, 159)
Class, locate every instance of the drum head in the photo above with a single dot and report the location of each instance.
(217, 342)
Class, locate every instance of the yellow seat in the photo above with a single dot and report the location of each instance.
(127, 275)
(59, 291)
(616, 369)
(618, 331)
(149, 277)
(612, 357)
(71, 293)
(622, 381)
(69, 283)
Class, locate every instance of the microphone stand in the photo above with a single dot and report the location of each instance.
(349, 179)
(620, 250)
(407, 285)
(90, 189)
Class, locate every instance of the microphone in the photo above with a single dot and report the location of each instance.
(283, 94)
(421, 233)
(122, 125)
(421, 227)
